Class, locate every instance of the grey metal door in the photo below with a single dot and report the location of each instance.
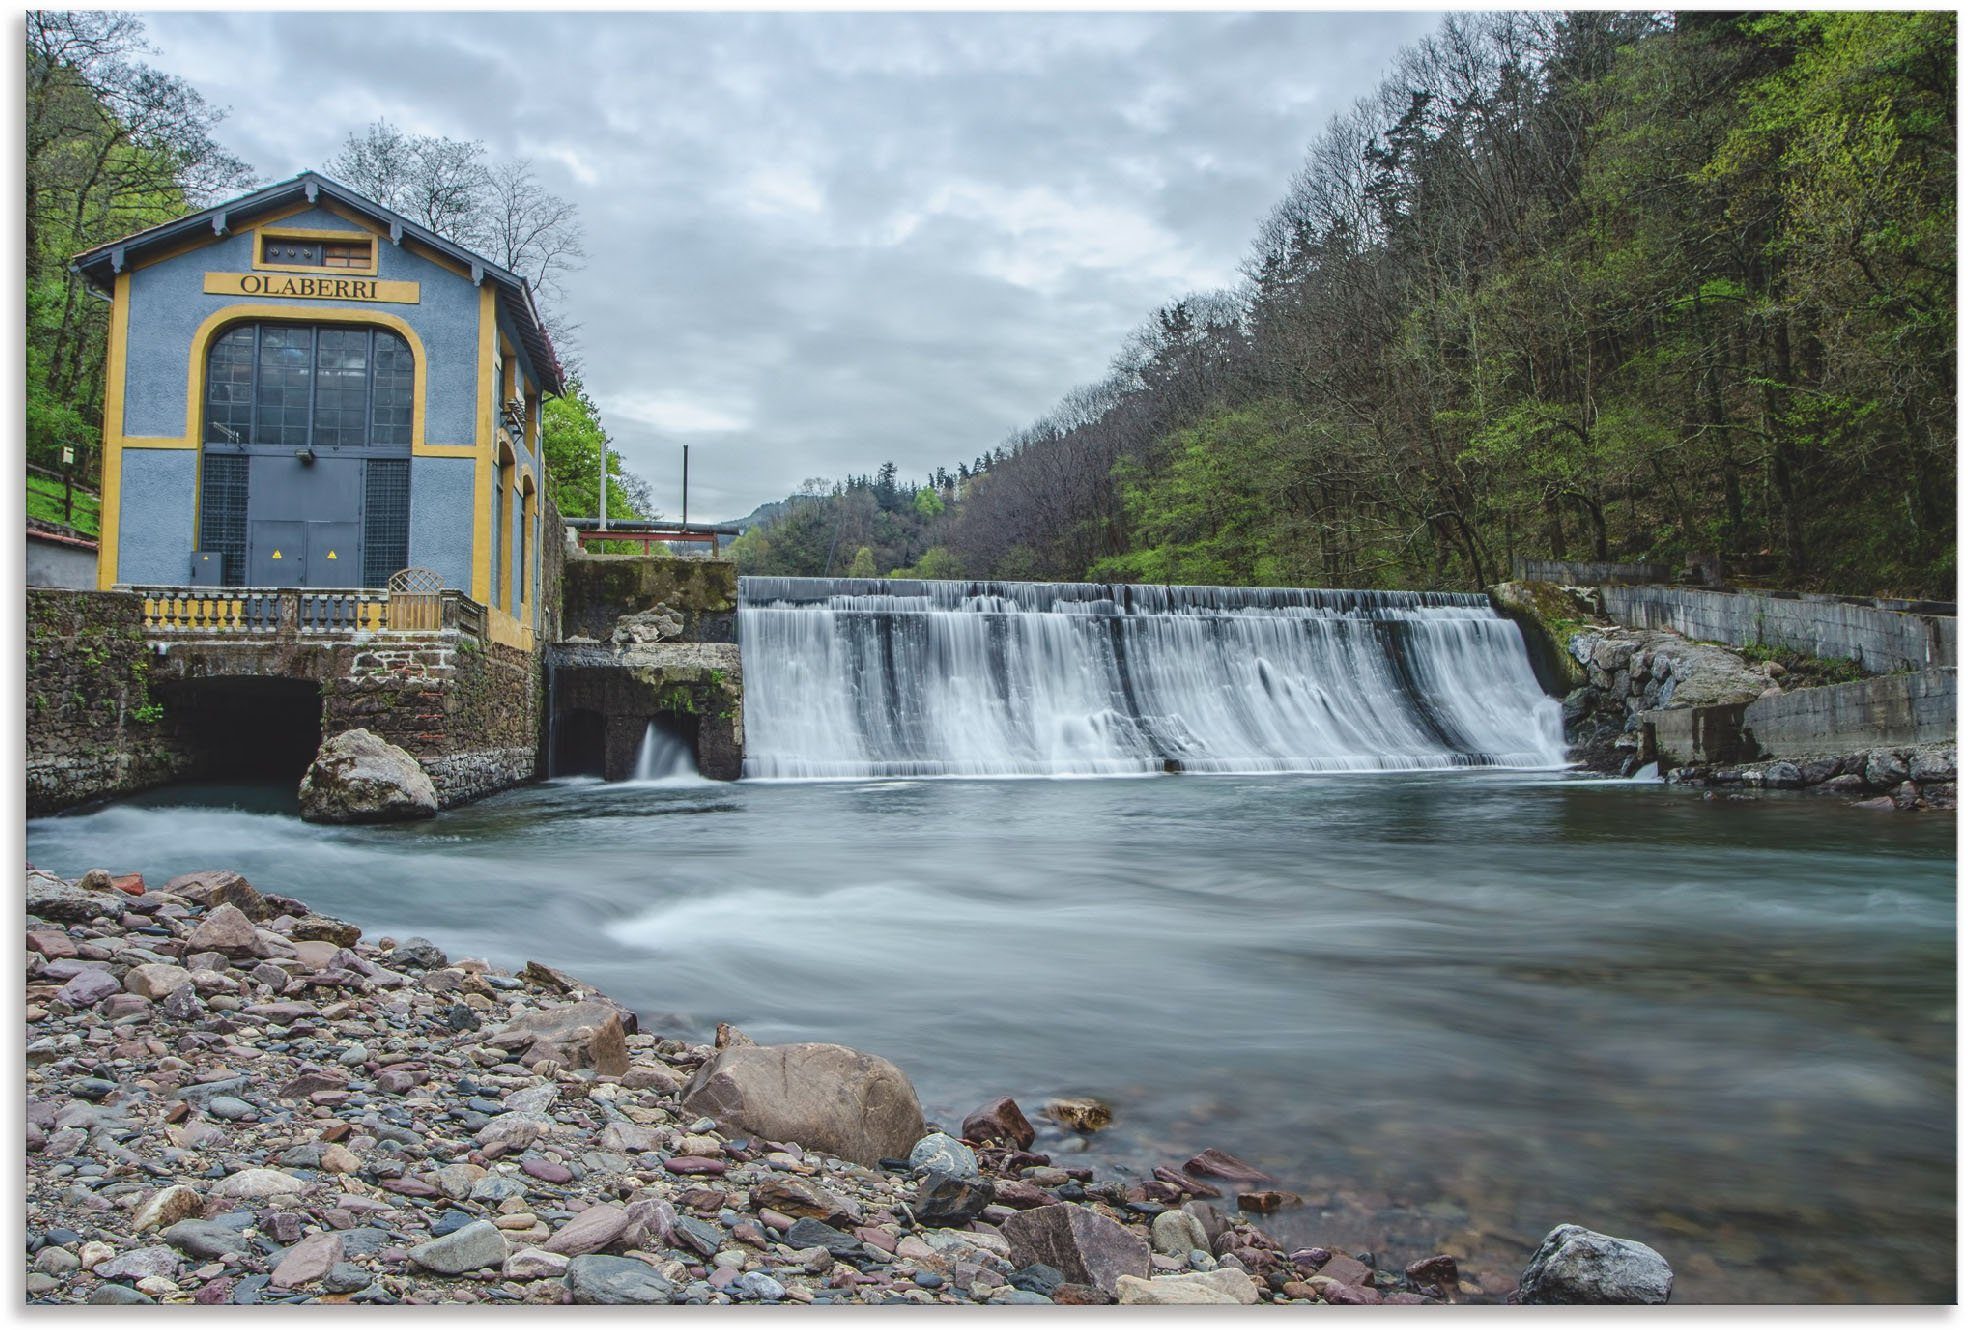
(276, 554)
(334, 554)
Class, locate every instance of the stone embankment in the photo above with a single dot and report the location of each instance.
(234, 1099)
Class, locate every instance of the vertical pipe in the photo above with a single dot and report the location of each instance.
(604, 482)
(686, 486)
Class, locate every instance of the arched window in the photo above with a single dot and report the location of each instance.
(341, 393)
(296, 385)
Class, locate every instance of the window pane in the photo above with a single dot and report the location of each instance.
(229, 388)
(341, 389)
(282, 392)
(390, 412)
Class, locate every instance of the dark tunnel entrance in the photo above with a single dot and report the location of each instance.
(250, 730)
(580, 744)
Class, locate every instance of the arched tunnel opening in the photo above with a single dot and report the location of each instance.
(249, 730)
(580, 746)
(668, 747)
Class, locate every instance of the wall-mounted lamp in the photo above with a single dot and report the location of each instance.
(305, 456)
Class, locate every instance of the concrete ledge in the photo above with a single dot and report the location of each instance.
(1892, 711)
(1880, 640)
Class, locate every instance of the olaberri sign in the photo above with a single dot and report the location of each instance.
(310, 288)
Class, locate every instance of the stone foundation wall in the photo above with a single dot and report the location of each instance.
(468, 711)
(601, 588)
(92, 727)
(1881, 640)
(700, 682)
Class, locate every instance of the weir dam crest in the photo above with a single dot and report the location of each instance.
(893, 678)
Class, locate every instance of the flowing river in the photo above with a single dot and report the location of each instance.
(1450, 1009)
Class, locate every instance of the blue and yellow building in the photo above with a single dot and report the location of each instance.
(306, 390)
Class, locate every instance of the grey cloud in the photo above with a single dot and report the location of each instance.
(822, 241)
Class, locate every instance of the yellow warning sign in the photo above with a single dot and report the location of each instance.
(276, 554)
(331, 554)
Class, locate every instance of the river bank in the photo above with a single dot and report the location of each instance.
(1741, 1055)
(234, 1099)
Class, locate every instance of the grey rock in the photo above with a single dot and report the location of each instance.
(142, 1263)
(1088, 1248)
(476, 1246)
(357, 776)
(345, 1278)
(944, 1200)
(229, 1107)
(1884, 768)
(1577, 1265)
(824, 1096)
(118, 1295)
(88, 988)
(63, 902)
(615, 1280)
(944, 1154)
(204, 1238)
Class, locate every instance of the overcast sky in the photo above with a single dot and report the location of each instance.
(818, 242)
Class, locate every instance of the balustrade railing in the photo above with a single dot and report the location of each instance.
(257, 612)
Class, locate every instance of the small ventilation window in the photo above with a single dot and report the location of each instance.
(343, 255)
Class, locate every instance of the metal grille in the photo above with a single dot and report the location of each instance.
(385, 520)
(222, 513)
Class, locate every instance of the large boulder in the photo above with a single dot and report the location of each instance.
(358, 777)
(1086, 1247)
(582, 1034)
(1576, 1265)
(825, 1097)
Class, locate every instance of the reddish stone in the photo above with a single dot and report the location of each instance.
(1265, 1202)
(1345, 1269)
(216, 1292)
(55, 946)
(874, 1237)
(334, 1131)
(1187, 1185)
(1000, 1120)
(1080, 1295)
(546, 1170)
(1021, 1195)
(130, 884)
(1434, 1270)
(409, 1187)
(1218, 1164)
(690, 1165)
(1350, 1295)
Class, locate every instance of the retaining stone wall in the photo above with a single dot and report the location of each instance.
(91, 731)
(1880, 640)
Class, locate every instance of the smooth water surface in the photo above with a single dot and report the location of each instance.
(1449, 1009)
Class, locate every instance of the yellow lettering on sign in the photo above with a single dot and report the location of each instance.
(370, 289)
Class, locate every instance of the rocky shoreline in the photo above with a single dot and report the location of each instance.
(232, 1099)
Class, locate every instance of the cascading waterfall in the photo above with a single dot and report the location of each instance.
(849, 677)
(664, 757)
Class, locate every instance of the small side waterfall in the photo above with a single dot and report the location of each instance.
(663, 756)
(848, 677)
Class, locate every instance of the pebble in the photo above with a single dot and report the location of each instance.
(360, 1139)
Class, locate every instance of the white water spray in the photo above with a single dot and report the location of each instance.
(663, 757)
(851, 678)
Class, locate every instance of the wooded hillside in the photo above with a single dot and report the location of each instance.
(1590, 285)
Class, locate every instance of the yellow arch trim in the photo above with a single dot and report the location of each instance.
(215, 322)
(488, 331)
(109, 522)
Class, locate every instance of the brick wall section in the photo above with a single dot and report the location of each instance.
(88, 684)
(468, 711)
(1880, 640)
